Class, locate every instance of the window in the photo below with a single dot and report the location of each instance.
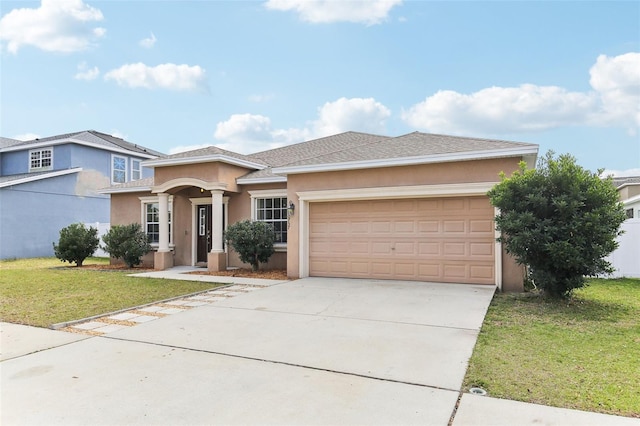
(271, 206)
(629, 213)
(40, 159)
(136, 169)
(151, 218)
(118, 169)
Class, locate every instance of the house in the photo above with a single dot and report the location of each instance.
(625, 258)
(48, 183)
(629, 192)
(412, 207)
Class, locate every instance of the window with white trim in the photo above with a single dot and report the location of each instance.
(40, 159)
(271, 206)
(118, 169)
(151, 219)
(136, 169)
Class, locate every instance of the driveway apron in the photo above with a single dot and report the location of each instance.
(311, 351)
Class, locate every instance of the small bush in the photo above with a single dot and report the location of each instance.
(253, 241)
(127, 242)
(76, 243)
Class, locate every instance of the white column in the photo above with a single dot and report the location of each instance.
(216, 218)
(163, 205)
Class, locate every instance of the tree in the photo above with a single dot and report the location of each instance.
(253, 241)
(559, 219)
(76, 243)
(127, 242)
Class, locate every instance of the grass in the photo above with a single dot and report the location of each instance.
(582, 354)
(42, 292)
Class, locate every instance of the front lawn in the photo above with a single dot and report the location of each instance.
(42, 292)
(582, 354)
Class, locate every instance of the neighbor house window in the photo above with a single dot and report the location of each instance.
(629, 213)
(271, 206)
(136, 169)
(40, 159)
(151, 218)
(118, 169)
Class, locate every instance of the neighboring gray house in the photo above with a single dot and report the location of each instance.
(49, 183)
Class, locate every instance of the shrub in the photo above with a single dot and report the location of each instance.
(127, 242)
(76, 243)
(559, 219)
(253, 241)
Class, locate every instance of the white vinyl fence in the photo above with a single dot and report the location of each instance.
(626, 258)
(103, 228)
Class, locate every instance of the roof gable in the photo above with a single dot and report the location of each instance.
(207, 154)
(86, 137)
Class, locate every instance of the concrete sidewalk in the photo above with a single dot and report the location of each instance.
(311, 351)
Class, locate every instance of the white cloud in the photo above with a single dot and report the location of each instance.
(617, 80)
(86, 73)
(342, 115)
(245, 133)
(620, 173)
(501, 110)
(248, 133)
(164, 76)
(614, 101)
(26, 136)
(148, 42)
(370, 12)
(184, 148)
(55, 26)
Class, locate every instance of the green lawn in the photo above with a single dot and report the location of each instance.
(42, 292)
(582, 354)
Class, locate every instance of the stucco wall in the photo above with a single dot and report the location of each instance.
(629, 191)
(126, 208)
(240, 209)
(208, 172)
(429, 174)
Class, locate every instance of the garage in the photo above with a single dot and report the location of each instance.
(446, 239)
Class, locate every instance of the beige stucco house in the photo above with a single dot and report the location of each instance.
(412, 207)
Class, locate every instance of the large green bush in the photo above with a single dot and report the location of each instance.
(127, 242)
(559, 219)
(253, 241)
(76, 243)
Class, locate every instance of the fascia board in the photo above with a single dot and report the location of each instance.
(632, 200)
(124, 190)
(395, 192)
(40, 177)
(77, 142)
(407, 161)
(166, 162)
(270, 179)
(624, 185)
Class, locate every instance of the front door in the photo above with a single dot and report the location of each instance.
(203, 219)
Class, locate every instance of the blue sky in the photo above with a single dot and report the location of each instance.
(249, 76)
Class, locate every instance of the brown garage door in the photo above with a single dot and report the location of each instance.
(428, 239)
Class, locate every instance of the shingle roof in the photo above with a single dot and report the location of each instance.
(414, 144)
(140, 183)
(97, 138)
(5, 142)
(619, 181)
(318, 147)
(10, 178)
(212, 151)
(352, 147)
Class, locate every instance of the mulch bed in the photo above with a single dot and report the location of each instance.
(275, 274)
(107, 268)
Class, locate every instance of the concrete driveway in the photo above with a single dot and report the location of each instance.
(312, 351)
